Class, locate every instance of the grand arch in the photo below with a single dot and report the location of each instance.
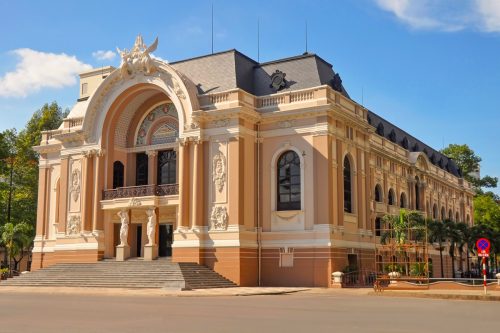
(115, 89)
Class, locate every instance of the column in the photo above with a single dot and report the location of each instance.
(97, 216)
(323, 179)
(63, 183)
(411, 185)
(197, 189)
(235, 181)
(183, 218)
(43, 193)
(360, 195)
(152, 167)
(340, 183)
(87, 190)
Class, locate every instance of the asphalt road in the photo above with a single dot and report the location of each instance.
(305, 313)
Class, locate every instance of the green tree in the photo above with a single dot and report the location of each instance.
(487, 211)
(17, 240)
(465, 240)
(468, 162)
(19, 167)
(438, 234)
(454, 237)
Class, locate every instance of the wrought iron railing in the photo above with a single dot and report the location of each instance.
(359, 279)
(141, 191)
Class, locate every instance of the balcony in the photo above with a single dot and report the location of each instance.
(141, 191)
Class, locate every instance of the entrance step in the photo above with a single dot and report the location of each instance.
(133, 273)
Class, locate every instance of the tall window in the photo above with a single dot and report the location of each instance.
(347, 186)
(417, 194)
(391, 198)
(117, 174)
(402, 200)
(289, 181)
(167, 167)
(378, 193)
(141, 169)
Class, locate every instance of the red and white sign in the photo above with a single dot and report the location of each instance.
(483, 247)
(483, 254)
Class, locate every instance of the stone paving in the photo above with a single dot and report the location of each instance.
(254, 291)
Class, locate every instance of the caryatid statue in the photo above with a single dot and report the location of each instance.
(123, 214)
(151, 226)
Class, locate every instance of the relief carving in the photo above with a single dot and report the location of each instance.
(75, 185)
(134, 202)
(178, 90)
(219, 171)
(221, 122)
(74, 224)
(218, 218)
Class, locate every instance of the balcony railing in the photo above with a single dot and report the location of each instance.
(141, 191)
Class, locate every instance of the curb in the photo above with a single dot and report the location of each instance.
(493, 298)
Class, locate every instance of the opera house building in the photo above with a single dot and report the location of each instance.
(267, 173)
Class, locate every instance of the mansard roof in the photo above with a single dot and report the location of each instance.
(232, 69)
(412, 144)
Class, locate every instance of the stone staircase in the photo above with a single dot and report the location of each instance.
(134, 273)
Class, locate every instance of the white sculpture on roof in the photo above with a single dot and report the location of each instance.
(138, 59)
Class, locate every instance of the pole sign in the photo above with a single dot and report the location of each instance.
(483, 247)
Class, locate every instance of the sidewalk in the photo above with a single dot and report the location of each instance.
(254, 291)
(236, 291)
(476, 295)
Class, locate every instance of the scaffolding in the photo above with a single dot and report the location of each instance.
(402, 249)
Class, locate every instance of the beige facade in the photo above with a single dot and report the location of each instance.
(200, 172)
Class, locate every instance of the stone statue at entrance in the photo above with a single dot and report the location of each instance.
(151, 226)
(123, 214)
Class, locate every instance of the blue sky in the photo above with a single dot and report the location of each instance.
(429, 66)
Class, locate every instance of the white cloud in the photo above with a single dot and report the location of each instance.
(37, 70)
(489, 13)
(104, 55)
(158, 58)
(426, 14)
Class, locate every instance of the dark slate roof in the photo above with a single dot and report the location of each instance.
(410, 143)
(232, 69)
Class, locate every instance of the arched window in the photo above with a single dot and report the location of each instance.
(402, 200)
(391, 199)
(417, 194)
(141, 169)
(443, 214)
(450, 215)
(378, 226)
(167, 167)
(468, 219)
(117, 174)
(289, 181)
(435, 212)
(457, 217)
(378, 193)
(347, 186)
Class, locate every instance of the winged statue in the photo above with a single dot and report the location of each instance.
(138, 59)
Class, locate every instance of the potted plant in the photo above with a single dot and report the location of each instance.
(4, 273)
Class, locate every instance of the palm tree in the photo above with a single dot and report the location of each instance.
(464, 230)
(437, 234)
(404, 228)
(454, 237)
(16, 238)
